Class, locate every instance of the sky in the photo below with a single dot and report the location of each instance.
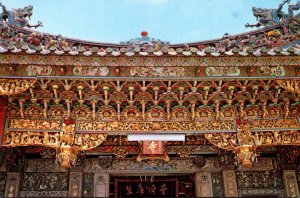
(113, 21)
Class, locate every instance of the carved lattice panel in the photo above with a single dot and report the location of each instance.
(45, 182)
(217, 183)
(88, 185)
(267, 183)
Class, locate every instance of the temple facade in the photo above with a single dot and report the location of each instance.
(147, 118)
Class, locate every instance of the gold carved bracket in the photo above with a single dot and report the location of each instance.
(15, 86)
(292, 86)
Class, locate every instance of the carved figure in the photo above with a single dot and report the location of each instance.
(269, 17)
(244, 134)
(17, 17)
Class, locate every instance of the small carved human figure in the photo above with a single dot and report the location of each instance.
(129, 190)
(163, 189)
(141, 189)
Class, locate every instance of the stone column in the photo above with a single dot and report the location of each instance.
(75, 184)
(101, 185)
(12, 187)
(290, 183)
(203, 184)
(230, 185)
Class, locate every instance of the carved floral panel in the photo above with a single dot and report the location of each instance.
(45, 182)
(260, 182)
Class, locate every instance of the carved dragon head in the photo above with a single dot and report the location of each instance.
(24, 12)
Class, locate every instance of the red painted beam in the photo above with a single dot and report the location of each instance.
(3, 101)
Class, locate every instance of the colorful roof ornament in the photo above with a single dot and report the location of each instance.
(270, 17)
(144, 40)
(17, 17)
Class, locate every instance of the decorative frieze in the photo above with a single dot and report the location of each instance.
(229, 141)
(15, 86)
(271, 124)
(206, 126)
(30, 124)
(158, 71)
(222, 71)
(22, 138)
(148, 61)
(127, 165)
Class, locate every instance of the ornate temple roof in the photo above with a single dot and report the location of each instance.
(73, 95)
(280, 35)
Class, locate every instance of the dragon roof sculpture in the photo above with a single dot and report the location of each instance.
(17, 17)
(269, 17)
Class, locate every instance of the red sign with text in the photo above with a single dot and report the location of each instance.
(152, 147)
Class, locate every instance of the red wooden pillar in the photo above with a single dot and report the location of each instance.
(3, 101)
